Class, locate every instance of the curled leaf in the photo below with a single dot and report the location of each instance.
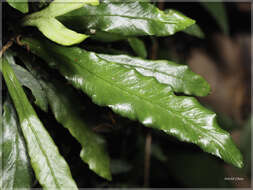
(46, 22)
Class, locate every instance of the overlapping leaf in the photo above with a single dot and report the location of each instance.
(138, 47)
(66, 109)
(45, 21)
(49, 166)
(16, 169)
(125, 19)
(21, 5)
(179, 77)
(193, 30)
(27, 80)
(130, 94)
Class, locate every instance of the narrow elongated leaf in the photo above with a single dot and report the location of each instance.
(51, 27)
(179, 77)
(93, 146)
(21, 5)
(66, 109)
(50, 168)
(16, 169)
(218, 11)
(126, 19)
(57, 32)
(138, 46)
(27, 79)
(138, 97)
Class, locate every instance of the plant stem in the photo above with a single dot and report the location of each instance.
(147, 159)
(153, 55)
(6, 46)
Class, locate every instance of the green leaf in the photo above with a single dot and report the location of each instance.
(179, 77)
(49, 166)
(66, 109)
(21, 5)
(27, 79)
(218, 11)
(57, 32)
(61, 7)
(126, 19)
(195, 30)
(51, 27)
(16, 170)
(141, 98)
(138, 46)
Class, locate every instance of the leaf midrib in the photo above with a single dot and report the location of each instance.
(143, 98)
(146, 68)
(35, 134)
(124, 16)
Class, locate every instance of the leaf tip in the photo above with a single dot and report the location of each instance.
(108, 177)
(238, 162)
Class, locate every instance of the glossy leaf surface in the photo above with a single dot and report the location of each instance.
(61, 7)
(16, 169)
(138, 47)
(193, 30)
(26, 79)
(50, 168)
(126, 19)
(21, 5)
(179, 77)
(138, 97)
(65, 106)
